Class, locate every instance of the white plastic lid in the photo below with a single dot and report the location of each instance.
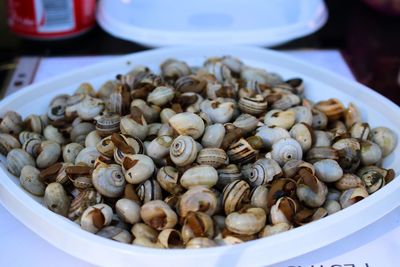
(211, 22)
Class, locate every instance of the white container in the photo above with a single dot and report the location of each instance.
(158, 23)
(319, 84)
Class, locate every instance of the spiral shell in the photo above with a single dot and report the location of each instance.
(30, 180)
(214, 157)
(311, 191)
(374, 177)
(187, 123)
(227, 175)
(197, 224)
(271, 135)
(303, 134)
(320, 120)
(80, 131)
(264, 171)
(247, 222)
(82, 201)
(134, 126)
(190, 84)
(303, 114)
(360, 130)
(198, 198)
(332, 108)
(348, 181)
(286, 101)
(220, 71)
(173, 69)
(87, 156)
(48, 154)
(34, 124)
(161, 95)
(149, 190)
(107, 124)
(137, 168)
(328, 170)
(241, 152)
(349, 151)
(283, 211)
(56, 199)
(234, 195)
(90, 107)
(7, 143)
(25, 135)
(109, 180)
(213, 136)
(218, 110)
(159, 147)
(202, 175)
(115, 233)
(352, 196)
(352, 115)
(126, 145)
(106, 147)
(168, 178)
(53, 134)
(11, 123)
(385, 138)
(158, 215)
(253, 105)
(96, 217)
(183, 150)
(259, 197)
(286, 149)
(17, 159)
(71, 151)
(279, 118)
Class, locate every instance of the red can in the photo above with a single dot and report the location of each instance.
(50, 19)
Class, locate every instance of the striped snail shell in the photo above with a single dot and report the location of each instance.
(149, 190)
(183, 150)
(214, 157)
(253, 105)
(234, 194)
(227, 175)
(190, 84)
(241, 152)
(173, 69)
(246, 122)
(25, 135)
(107, 124)
(264, 171)
(82, 201)
(32, 146)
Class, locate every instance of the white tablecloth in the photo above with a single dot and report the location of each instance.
(374, 246)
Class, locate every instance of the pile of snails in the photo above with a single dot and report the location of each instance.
(196, 157)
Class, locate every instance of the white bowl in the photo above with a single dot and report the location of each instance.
(320, 84)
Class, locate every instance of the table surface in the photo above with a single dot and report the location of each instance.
(369, 40)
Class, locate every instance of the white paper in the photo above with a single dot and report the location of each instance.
(374, 246)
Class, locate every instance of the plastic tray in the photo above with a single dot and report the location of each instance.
(158, 23)
(320, 84)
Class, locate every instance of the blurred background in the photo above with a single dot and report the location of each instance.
(367, 36)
